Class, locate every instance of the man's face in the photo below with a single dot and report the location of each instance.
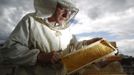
(62, 14)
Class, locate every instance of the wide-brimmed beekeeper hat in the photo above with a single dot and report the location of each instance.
(46, 8)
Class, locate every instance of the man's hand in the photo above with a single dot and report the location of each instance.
(48, 58)
(108, 60)
(113, 58)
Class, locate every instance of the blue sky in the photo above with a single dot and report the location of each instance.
(99, 34)
(110, 19)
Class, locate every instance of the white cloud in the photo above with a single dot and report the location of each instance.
(84, 38)
(83, 24)
(115, 17)
(118, 23)
(126, 46)
(11, 12)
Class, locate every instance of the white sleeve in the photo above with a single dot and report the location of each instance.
(16, 50)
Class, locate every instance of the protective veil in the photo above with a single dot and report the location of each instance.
(45, 8)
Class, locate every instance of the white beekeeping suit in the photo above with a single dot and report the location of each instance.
(34, 34)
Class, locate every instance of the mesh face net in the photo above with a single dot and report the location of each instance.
(71, 9)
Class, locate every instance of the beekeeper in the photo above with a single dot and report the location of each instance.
(34, 46)
(35, 43)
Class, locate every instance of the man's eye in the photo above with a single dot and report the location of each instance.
(61, 8)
